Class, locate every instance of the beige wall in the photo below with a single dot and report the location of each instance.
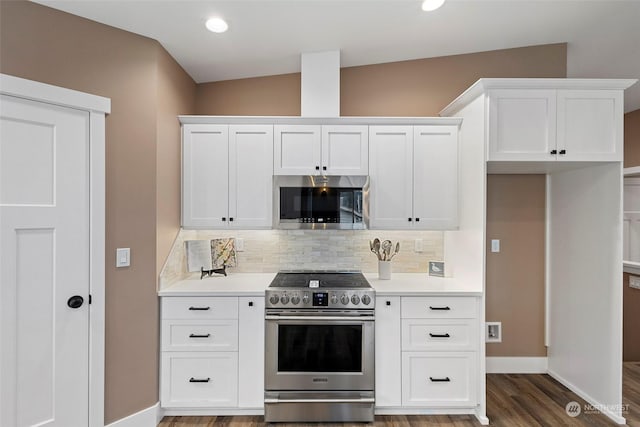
(515, 275)
(146, 89)
(632, 139)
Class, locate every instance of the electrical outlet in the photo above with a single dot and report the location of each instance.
(634, 282)
(493, 332)
(239, 244)
(418, 245)
(495, 245)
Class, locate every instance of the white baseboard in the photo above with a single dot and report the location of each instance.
(516, 365)
(618, 419)
(149, 417)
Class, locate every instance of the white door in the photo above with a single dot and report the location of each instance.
(590, 125)
(44, 259)
(250, 176)
(391, 177)
(205, 175)
(345, 150)
(435, 177)
(522, 124)
(296, 150)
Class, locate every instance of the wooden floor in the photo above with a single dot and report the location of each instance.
(512, 401)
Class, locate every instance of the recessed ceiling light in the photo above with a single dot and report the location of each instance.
(429, 5)
(217, 25)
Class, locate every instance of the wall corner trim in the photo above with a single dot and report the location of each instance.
(516, 365)
(149, 417)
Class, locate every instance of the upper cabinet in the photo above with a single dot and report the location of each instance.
(414, 177)
(321, 150)
(227, 176)
(555, 125)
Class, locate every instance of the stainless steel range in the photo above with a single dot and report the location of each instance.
(319, 358)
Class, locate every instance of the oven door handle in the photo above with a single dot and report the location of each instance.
(361, 400)
(323, 318)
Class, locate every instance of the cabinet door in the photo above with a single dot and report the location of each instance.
(296, 150)
(205, 175)
(345, 150)
(590, 125)
(522, 124)
(391, 177)
(199, 379)
(435, 177)
(250, 176)
(439, 379)
(388, 354)
(251, 352)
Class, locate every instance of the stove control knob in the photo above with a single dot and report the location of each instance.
(344, 299)
(274, 299)
(305, 299)
(284, 299)
(295, 299)
(366, 299)
(355, 300)
(334, 299)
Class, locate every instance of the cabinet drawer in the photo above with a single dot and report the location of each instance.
(199, 307)
(439, 379)
(193, 380)
(439, 307)
(439, 334)
(200, 335)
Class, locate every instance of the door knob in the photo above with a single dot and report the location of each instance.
(75, 301)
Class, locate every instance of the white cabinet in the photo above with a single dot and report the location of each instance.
(326, 150)
(227, 176)
(388, 354)
(251, 352)
(212, 354)
(555, 125)
(414, 177)
(631, 219)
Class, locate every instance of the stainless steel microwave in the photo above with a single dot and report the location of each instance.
(321, 202)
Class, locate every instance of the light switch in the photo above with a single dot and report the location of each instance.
(495, 245)
(123, 257)
(634, 282)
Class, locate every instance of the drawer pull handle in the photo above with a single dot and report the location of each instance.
(439, 335)
(439, 308)
(199, 308)
(199, 336)
(199, 380)
(440, 380)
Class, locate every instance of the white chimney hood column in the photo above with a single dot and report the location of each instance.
(321, 84)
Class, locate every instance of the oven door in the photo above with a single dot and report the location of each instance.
(319, 352)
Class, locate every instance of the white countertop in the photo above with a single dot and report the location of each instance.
(254, 284)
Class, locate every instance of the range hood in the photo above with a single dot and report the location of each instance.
(320, 84)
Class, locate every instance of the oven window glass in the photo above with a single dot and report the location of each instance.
(320, 348)
(321, 205)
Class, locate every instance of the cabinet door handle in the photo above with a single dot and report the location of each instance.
(199, 380)
(231, 219)
(250, 303)
(388, 302)
(439, 308)
(324, 168)
(562, 152)
(199, 336)
(417, 219)
(409, 219)
(199, 308)
(439, 335)
(224, 218)
(440, 380)
(554, 151)
(317, 168)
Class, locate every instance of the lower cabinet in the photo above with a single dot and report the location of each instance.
(212, 354)
(427, 354)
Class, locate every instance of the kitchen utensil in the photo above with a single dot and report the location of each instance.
(396, 251)
(386, 249)
(376, 247)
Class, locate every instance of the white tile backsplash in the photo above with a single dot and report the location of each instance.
(274, 250)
